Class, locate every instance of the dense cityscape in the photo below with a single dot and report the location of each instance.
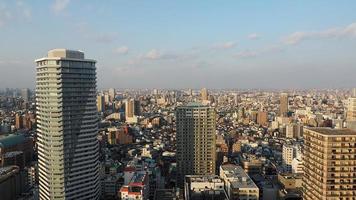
(177, 100)
(66, 140)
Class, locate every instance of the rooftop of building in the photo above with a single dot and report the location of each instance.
(212, 194)
(203, 178)
(65, 54)
(165, 194)
(10, 140)
(333, 132)
(238, 177)
(204, 187)
(193, 105)
(7, 171)
(12, 154)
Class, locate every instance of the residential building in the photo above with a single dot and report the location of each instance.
(283, 105)
(137, 188)
(195, 140)
(204, 94)
(67, 126)
(100, 103)
(329, 163)
(288, 154)
(351, 111)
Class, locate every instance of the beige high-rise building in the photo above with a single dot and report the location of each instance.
(351, 111)
(262, 118)
(100, 103)
(112, 94)
(283, 106)
(329, 157)
(132, 108)
(196, 154)
(67, 126)
(204, 94)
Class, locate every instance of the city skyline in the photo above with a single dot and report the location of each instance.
(274, 45)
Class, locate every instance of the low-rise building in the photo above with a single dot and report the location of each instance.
(197, 187)
(137, 188)
(238, 185)
(13, 182)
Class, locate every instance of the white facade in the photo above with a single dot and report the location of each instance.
(68, 151)
(297, 166)
(288, 154)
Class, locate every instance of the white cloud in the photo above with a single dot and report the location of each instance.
(5, 15)
(153, 54)
(59, 5)
(17, 11)
(226, 45)
(122, 50)
(246, 54)
(253, 36)
(24, 10)
(340, 32)
(105, 37)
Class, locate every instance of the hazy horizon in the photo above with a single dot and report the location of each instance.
(183, 44)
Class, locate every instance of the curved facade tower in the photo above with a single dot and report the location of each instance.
(68, 150)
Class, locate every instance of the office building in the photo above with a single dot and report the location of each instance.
(238, 185)
(283, 105)
(195, 140)
(329, 163)
(67, 126)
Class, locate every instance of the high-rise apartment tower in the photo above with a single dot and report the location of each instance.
(329, 164)
(68, 151)
(204, 94)
(283, 106)
(195, 140)
(351, 111)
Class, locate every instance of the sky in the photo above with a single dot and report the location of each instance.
(186, 44)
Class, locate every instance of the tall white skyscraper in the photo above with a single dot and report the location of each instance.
(68, 151)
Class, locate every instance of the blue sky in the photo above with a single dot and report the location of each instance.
(186, 44)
